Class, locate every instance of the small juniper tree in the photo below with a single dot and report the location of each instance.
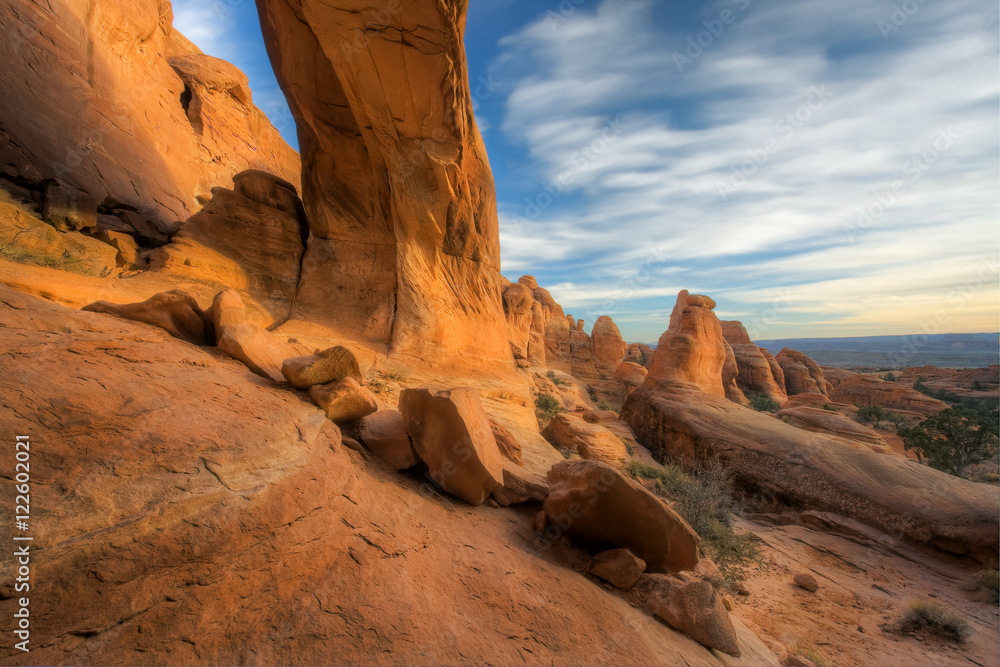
(952, 440)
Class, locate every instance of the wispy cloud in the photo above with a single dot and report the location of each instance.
(753, 168)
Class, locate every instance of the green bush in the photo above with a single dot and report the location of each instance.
(604, 405)
(872, 414)
(953, 440)
(703, 499)
(555, 380)
(762, 403)
(890, 377)
(546, 407)
(933, 616)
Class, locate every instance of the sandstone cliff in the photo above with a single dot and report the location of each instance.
(108, 97)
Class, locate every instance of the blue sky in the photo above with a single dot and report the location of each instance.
(819, 168)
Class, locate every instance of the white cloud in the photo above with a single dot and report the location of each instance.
(824, 116)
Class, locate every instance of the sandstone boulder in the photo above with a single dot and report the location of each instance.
(323, 367)
(519, 486)
(260, 350)
(384, 432)
(802, 374)
(176, 311)
(692, 606)
(227, 309)
(619, 567)
(344, 400)
(129, 254)
(692, 350)
(806, 581)
(571, 435)
(594, 503)
(451, 434)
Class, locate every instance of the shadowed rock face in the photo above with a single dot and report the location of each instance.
(396, 182)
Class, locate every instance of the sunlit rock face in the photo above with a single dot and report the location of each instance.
(110, 98)
(396, 182)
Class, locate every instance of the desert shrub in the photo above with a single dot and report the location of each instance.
(375, 383)
(809, 651)
(628, 445)
(872, 414)
(762, 403)
(397, 374)
(986, 585)
(546, 408)
(977, 386)
(555, 380)
(604, 405)
(704, 499)
(935, 617)
(890, 377)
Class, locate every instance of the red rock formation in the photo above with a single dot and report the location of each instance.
(573, 436)
(592, 502)
(639, 353)
(756, 374)
(675, 417)
(692, 349)
(833, 422)
(609, 347)
(396, 182)
(110, 98)
(581, 348)
(730, 371)
(802, 374)
(242, 530)
(451, 433)
(870, 390)
(518, 301)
